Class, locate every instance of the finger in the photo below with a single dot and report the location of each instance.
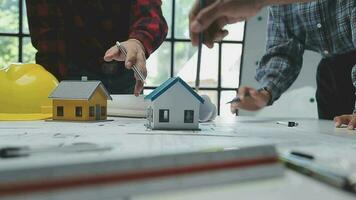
(221, 22)
(141, 64)
(259, 97)
(209, 44)
(193, 12)
(113, 54)
(131, 58)
(340, 120)
(195, 39)
(352, 123)
(214, 32)
(206, 17)
(243, 92)
(220, 35)
(138, 87)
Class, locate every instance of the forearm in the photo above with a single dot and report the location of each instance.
(148, 25)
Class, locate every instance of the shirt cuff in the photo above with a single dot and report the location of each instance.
(273, 90)
(145, 40)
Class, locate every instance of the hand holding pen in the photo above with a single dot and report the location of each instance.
(250, 99)
(133, 53)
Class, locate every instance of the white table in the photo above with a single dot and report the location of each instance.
(130, 139)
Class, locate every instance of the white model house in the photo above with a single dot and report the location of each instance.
(174, 105)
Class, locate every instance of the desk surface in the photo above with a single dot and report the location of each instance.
(130, 138)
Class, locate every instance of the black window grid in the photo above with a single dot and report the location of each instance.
(171, 39)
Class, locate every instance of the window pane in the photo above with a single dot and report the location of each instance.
(188, 116)
(186, 64)
(28, 51)
(167, 13)
(24, 17)
(230, 69)
(226, 96)
(60, 111)
(9, 15)
(181, 19)
(184, 61)
(236, 31)
(213, 95)
(159, 65)
(163, 115)
(8, 51)
(78, 111)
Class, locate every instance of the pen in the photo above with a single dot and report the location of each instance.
(288, 123)
(309, 166)
(134, 68)
(238, 99)
(200, 45)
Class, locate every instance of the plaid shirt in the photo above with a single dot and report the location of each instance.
(62, 30)
(324, 26)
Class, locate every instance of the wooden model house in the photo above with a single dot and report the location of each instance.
(174, 105)
(80, 101)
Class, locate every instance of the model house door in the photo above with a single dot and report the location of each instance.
(97, 112)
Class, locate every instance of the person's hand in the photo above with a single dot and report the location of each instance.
(217, 14)
(349, 120)
(135, 56)
(251, 99)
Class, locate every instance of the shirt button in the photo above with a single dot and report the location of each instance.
(326, 52)
(319, 25)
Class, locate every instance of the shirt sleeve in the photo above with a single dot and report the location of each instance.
(282, 62)
(148, 24)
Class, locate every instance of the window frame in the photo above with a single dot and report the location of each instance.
(161, 118)
(78, 111)
(188, 121)
(60, 111)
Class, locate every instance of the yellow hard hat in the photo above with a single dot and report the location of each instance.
(24, 91)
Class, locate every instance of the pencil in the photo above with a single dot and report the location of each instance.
(200, 45)
(134, 68)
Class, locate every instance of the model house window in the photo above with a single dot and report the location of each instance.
(60, 111)
(91, 111)
(78, 111)
(103, 110)
(163, 115)
(188, 116)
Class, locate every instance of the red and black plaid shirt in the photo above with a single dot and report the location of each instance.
(67, 30)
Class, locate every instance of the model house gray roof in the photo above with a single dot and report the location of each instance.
(82, 90)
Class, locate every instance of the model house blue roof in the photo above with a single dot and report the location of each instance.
(168, 84)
